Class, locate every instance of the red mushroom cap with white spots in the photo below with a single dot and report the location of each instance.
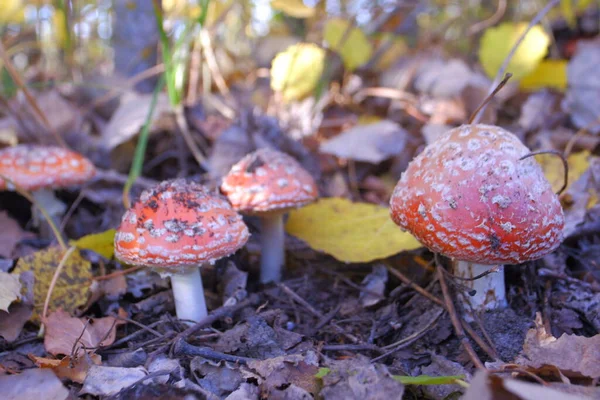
(470, 197)
(268, 181)
(34, 167)
(179, 224)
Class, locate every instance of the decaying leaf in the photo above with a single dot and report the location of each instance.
(296, 72)
(371, 143)
(350, 42)
(357, 378)
(104, 381)
(73, 369)
(351, 232)
(583, 98)
(102, 243)
(573, 355)
(220, 378)
(498, 41)
(12, 322)
(33, 384)
(131, 116)
(72, 286)
(10, 235)
(10, 289)
(66, 335)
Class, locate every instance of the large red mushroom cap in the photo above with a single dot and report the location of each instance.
(470, 197)
(179, 224)
(268, 181)
(34, 167)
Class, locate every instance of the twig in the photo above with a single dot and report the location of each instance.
(183, 348)
(211, 62)
(512, 52)
(74, 349)
(185, 132)
(133, 335)
(486, 23)
(458, 328)
(352, 347)
(489, 98)
(118, 273)
(57, 273)
(562, 158)
(139, 325)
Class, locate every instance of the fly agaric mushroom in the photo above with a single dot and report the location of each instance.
(268, 183)
(177, 227)
(41, 169)
(471, 196)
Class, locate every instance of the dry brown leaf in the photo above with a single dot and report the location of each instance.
(281, 371)
(75, 370)
(10, 234)
(63, 331)
(573, 355)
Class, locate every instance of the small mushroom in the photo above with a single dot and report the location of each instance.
(268, 183)
(471, 197)
(42, 169)
(177, 227)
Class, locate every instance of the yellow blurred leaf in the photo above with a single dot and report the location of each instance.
(293, 8)
(72, 285)
(350, 232)
(296, 71)
(554, 170)
(102, 243)
(397, 49)
(12, 11)
(59, 28)
(570, 8)
(497, 42)
(354, 47)
(549, 73)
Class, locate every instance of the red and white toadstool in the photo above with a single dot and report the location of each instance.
(176, 228)
(268, 183)
(471, 197)
(41, 169)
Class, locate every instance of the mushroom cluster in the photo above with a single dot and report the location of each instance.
(268, 183)
(175, 228)
(471, 196)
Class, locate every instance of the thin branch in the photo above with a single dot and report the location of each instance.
(562, 158)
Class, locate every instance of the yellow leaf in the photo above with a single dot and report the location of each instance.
(393, 52)
(554, 170)
(549, 73)
(59, 27)
(570, 8)
(354, 47)
(72, 285)
(497, 42)
(350, 232)
(296, 71)
(102, 243)
(293, 8)
(11, 11)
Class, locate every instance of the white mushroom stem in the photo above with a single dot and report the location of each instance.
(272, 256)
(490, 289)
(189, 294)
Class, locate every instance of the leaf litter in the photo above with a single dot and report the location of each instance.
(360, 313)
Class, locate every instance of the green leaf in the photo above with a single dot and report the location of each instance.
(428, 380)
(322, 373)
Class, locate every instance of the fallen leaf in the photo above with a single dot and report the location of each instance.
(442, 78)
(75, 370)
(358, 378)
(72, 286)
(573, 355)
(33, 384)
(350, 232)
(12, 322)
(548, 74)
(498, 41)
(297, 71)
(554, 169)
(13, 11)
(374, 285)
(372, 143)
(219, 378)
(10, 235)
(105, 381)
(293, 8)
(582, 100)
(349, 42)
(131, 115)
(102, 243)
(66, 334)
(296, 369)
(10, 289)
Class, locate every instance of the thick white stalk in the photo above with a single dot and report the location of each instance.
(491, 292)
(272, 255)
(189, 294)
